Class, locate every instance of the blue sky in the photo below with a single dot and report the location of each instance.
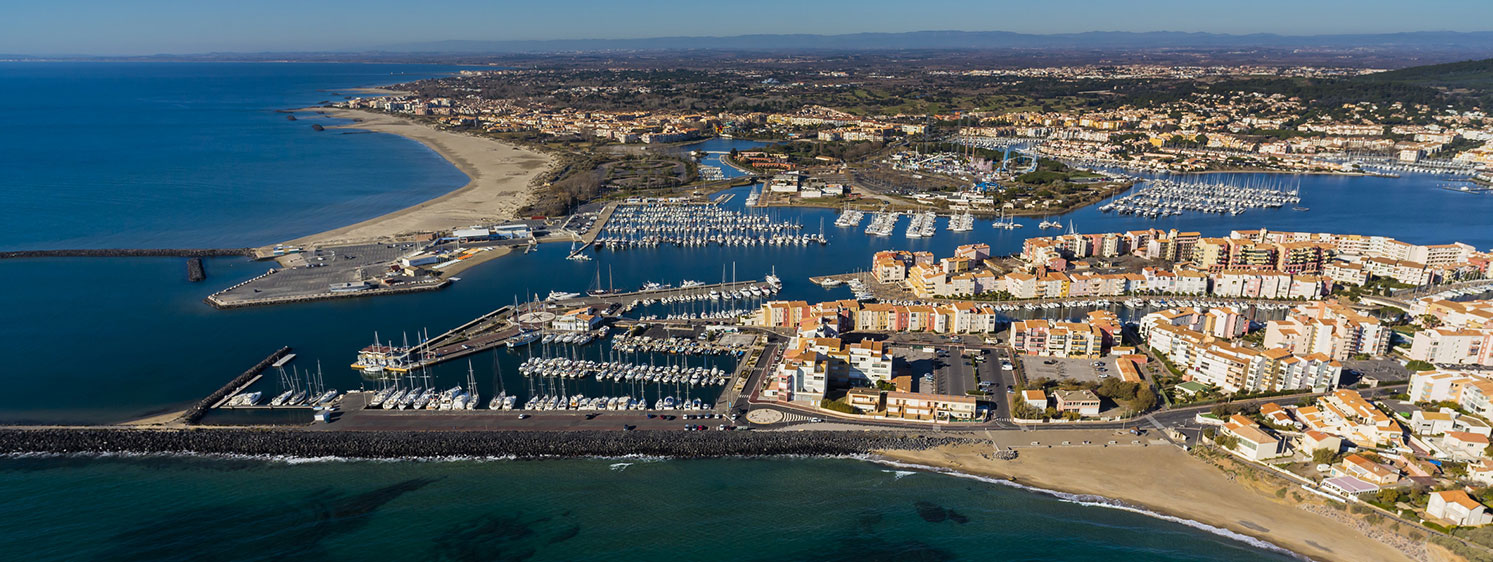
(119, 27)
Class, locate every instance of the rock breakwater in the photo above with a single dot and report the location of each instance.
(435, 444)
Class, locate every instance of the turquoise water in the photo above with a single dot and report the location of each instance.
(174, 508)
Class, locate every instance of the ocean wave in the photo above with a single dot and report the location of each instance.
(1091, 500)
(900, 474)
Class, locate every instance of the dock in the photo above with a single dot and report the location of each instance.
(596, 228)
(627, 298)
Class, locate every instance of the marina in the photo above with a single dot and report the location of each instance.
(1167, 197)
(850, 218)
(650, 225)
(883, 223)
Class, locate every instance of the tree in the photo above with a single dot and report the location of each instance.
(1388, 496)
(1226, 441)
(1323, 456)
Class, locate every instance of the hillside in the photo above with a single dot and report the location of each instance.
(1472, 74)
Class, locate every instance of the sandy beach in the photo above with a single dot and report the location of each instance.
(1165, 479)
(500, 176)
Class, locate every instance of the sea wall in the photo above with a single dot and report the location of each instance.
(430, 444)
(129, 253)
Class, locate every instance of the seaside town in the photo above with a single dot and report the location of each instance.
(1246, 129)
(1187, 283)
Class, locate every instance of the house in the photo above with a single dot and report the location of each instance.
(1191, 388)
(1465, 445)
(1481, 472)
(1364, 469)
(867, 399)
(1084, 402)
(1254, 442)
(1431, 423)
(1314, 440)
(1348, 486)
(1458, 508)
(930, 407)
(1034, 398)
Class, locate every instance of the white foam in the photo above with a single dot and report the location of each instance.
(900, 474)
(620, 466)
(1101, 501)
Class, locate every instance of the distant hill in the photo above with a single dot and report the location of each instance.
(1472, 43)
(1472, 74)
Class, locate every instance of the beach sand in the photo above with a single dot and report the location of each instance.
(1165, 479)
(500, 176)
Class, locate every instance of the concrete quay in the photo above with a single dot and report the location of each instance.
(657, 294)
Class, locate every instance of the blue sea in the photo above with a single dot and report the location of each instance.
(196, 155)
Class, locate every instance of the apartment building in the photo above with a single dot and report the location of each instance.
(1045, 338)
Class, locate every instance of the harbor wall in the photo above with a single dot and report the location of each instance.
(227, 305)
(432, 444)
(193, 414)
(130, 253)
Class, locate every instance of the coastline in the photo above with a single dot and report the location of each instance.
(1158, 481)
(499, 181)
(1164, 481)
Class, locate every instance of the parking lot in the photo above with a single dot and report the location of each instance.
(1064, 368)
(1380, 369)
(941, 371)
(322, 268)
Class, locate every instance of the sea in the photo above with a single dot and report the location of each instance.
(189, 155)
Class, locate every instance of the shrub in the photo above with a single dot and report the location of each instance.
(837, 406)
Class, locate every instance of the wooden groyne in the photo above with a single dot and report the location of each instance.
(433, 444)
(130, 253)
(197, 410)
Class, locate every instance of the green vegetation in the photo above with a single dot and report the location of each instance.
(1418, 365)
(1472, 74)
(807, 153)
(838, 406)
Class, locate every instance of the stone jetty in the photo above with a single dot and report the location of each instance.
(130, 253)
(430, 444)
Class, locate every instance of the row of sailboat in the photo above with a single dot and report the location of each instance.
(658, 224)
(922, 225)
(1167, 197)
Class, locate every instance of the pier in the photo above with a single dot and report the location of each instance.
(235, 386)
(697, 292)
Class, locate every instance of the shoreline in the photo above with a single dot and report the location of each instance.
(1164, 482)
(1300, 533)
(499, 180)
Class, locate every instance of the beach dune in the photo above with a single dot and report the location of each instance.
(500, 181)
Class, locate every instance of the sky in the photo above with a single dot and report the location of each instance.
(134, 27)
